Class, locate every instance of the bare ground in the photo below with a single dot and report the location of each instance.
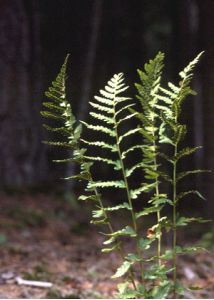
(43, 238)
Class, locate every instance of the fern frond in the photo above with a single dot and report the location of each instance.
(126, 231)
(62, 130)
(114, 104)
(107, 250)
(131, 149)
(160, 199)
(150, 78)
(130, 116)
(167, 111)
(103, 100)
(103, 129)
(101, 144)
(166, 92)
(123, 269)
(101, 117)
(53, 107)
(148, 96)
(183, 221)
(103, 221)
(186, 152)
(102, 108)
(66, 160)
(179, 133)
(115, 163)
(181, 175)
(175, 89)
(99, 213)
(128, 133)
(149, 99)
(59, 144)
(123, 109)
(177, 94)
(130, 171)
(108, 95)
(188, 69)
(173, 132)
(144, 188)
(165, 99)
(107, 184)
(50, 115)
(54, 97)
(111, 96)
(192, 192)
(89, 198)
(147, 211)
(125, 205)
(122, 99)
(59, 109)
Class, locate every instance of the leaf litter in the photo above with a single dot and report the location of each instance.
(57, 244)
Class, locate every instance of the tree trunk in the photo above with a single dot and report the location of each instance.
(90, 59)
(87, 75)
(21, 154)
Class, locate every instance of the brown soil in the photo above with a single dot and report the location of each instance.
(43, 238)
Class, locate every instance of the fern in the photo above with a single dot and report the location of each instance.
(145, 276)
(172, 132)
(110, 101)
(60, 109)
(147, 95)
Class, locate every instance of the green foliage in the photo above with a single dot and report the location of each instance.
(207, 239)
(39, 273)
(3, 239)
(123, 269)
(148, 89)
(58, 108)
(143, 275)
(172, 132)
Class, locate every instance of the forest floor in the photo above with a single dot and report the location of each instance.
(44, 238)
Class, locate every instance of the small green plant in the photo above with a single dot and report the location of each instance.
(207, 239)
(3, 239)
(39, 272)
(158, 120)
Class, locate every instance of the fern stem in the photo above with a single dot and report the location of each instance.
(131, 205)
(174, 224)
(156, 190)
(119, 248)
(158, 212)
(128, 195)
(127, 186)
(159, 236)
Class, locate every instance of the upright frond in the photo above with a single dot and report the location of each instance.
(59, 109)
(66, 130)
(173, 132)
(148, 89)
(114, 110)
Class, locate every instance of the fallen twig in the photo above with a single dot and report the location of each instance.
(41, 284)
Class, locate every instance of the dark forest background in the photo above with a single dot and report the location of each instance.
(103, 37)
